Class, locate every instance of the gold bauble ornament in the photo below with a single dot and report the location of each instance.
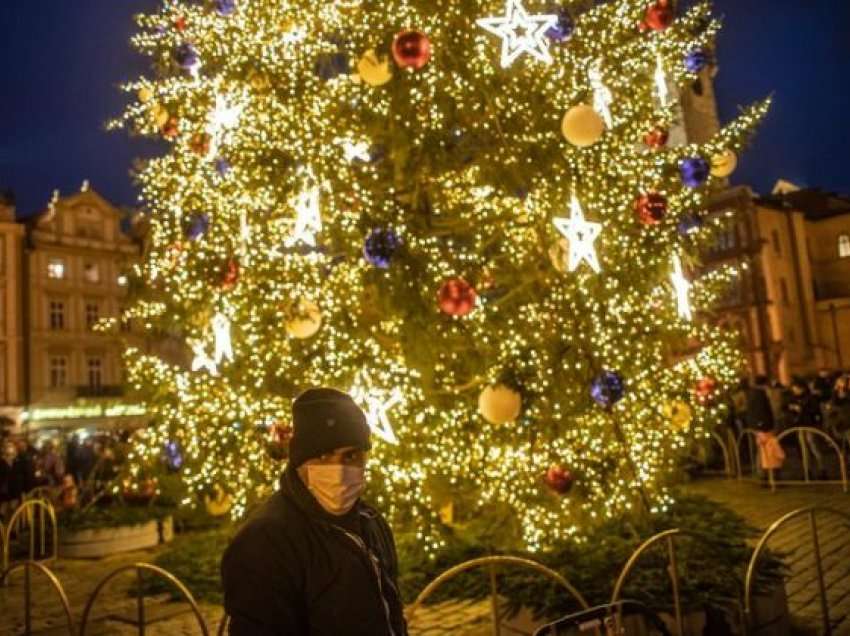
(219, 504)
(374, 70)
(145, 94)
(680, 414)
(160, 115)
(499, 404)
(306, 322)
(582, 126)
(724, 164)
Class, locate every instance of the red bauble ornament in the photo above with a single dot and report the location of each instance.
(200, 144)
(180, 23)
(659, 16)
(559, 479)
(230, 275)
(411, 49)
(171, 129)
(705, 390)
(657, 137)
(456, 297)
(651, 208)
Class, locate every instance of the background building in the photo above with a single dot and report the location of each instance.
(12, 383)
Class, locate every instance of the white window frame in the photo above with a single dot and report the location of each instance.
(844, 246)
(57, 369)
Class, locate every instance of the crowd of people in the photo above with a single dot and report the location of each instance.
(62, 469)
(821, 403)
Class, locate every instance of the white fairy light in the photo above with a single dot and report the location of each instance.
(354, 149)
(521, 33)
(602, 95)
(682, 289)
(581, 235)
(224, 116)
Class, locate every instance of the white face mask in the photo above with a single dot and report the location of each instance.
(335, 486)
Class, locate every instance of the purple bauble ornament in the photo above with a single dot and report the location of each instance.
(695, 171)
(607, 389)
(199, 224)
(563, 29)
(173, 456)
(380, 246)
(225, 7)
(222, 167)
(187, 57)
(696, 60)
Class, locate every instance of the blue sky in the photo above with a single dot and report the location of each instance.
(62, 60)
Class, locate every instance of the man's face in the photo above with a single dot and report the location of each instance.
(346, 456)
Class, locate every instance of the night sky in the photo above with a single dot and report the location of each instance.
(62, 60)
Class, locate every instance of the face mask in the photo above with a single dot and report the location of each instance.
(335, 486)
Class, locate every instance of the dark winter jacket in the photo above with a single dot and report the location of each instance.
(295, 570)
(804, 410)
(759, 410)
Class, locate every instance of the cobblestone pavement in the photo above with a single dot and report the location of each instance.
(758, 505)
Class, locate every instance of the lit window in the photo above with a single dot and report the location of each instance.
(92, 315)
(122, 280)
(95, 372)
(58, 372)
(57, 315)
(56, 268)
(91, 272)
(844, 246)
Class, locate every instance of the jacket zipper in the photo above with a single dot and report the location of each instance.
(376, 568)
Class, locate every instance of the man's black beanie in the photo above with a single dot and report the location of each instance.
(324, 420)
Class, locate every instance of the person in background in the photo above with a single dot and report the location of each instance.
(839, 422)
(759, 411)
(23, 471)
(7, 460)
(68, 493)
(52, 466)
(315, 560)
(804, 411)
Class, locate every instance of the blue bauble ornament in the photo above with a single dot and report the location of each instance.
(696, 60)
(695, 171)
(563, 29)
(225, 7)
(222, 167)
(689, 224)
(607, 389)
(199, 224)
(331, 65)
(380, 246)
(187, 57)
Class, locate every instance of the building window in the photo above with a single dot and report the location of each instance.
(91, 272)
(57, 315)
(56, 268)
(58, 366)
(95, 372)
(783, 287)
(844, 246)
(777, 246)
(122, 280)
(92, 315)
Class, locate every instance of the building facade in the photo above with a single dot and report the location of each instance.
(63, 271)
(791, 304)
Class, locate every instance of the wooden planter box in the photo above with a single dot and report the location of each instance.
(95, 543)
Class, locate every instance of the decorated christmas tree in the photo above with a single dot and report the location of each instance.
(480, 217)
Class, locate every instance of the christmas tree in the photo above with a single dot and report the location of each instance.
(480, 217)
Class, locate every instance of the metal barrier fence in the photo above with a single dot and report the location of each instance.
(27, 567)
(32, 517)
(141, 622)
(814, 531)
(804, 434)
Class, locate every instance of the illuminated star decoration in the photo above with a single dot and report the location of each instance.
(521, 33)
(661, 84)
(377, 406)
(581, 235)
(355, 149)
(602, 96)
(201, 359)
(223, 117)
(308, 221)
(682, 289)
(223, 345)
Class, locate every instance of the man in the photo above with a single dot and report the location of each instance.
(759, 410)
(314, 560)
